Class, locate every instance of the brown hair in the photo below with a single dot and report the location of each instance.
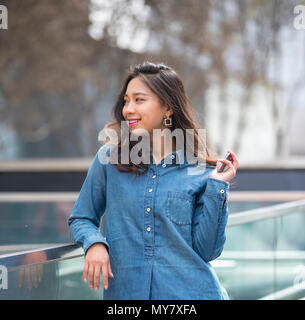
(167, 85)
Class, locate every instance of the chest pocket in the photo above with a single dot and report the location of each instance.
(179, 207)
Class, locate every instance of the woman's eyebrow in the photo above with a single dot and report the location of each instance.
(137, 93)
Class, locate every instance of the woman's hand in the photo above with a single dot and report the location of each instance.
(230, 172)
(97, 260)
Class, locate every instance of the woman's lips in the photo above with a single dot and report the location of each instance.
(133, 122)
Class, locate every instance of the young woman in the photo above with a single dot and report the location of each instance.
(165, 219)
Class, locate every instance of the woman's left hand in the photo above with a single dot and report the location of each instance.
(230, 172)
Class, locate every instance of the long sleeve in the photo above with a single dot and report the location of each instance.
(210, 219)
(84, 221)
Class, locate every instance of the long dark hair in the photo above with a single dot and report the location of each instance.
(165, 82)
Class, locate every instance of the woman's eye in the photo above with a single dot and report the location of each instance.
(124, 101)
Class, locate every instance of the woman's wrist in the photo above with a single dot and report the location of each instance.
(214, 175)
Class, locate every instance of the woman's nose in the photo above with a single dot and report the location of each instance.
(129, 108)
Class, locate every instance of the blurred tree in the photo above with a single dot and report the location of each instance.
(55, 77)
(52, 74)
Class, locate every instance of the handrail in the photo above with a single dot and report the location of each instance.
(264, 255)
(38, 196)
(50, 254)
(46, 165)
(266, 212)
(266, 196)
(290, 293)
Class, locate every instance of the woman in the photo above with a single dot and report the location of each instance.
(164, 221)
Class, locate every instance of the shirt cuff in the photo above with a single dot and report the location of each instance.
(90, 239)
(217, 188)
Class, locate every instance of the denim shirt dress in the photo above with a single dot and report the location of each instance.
(162, 227)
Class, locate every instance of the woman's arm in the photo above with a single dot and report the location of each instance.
(210, 219)
(211, 211)
(84, 221)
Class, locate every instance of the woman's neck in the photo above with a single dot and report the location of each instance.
(160, 149)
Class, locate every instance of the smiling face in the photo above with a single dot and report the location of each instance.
(142, 108)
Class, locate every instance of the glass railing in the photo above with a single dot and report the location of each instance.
(28, 223)
(34, 222)
(263, 258)
(237, 207)
(51, 274)
(29, 219)
(264, 255)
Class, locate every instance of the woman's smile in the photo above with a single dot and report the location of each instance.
(133, 122)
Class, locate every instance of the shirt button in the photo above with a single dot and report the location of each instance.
(163, 165)
(150, 190)
(222, 191)
(148, 229)
(154, 176)
(148, 209)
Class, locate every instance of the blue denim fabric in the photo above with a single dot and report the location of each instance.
(162, 228)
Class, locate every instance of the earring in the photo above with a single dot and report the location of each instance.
(167, 121)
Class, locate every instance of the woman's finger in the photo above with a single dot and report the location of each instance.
(85, 272)
(229, 164)
(235, 159)
(91, 274)
(105, 276)
(110, 271)
(97, 272)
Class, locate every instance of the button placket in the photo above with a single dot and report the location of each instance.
(224, 198)
(148, 214)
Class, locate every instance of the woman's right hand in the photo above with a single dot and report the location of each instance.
(97, 260)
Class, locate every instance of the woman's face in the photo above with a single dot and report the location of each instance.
(142, 109)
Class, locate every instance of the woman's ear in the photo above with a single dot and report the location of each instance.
(169, 112)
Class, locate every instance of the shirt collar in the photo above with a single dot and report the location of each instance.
(179, 159)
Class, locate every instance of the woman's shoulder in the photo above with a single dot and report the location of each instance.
(103, 153)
